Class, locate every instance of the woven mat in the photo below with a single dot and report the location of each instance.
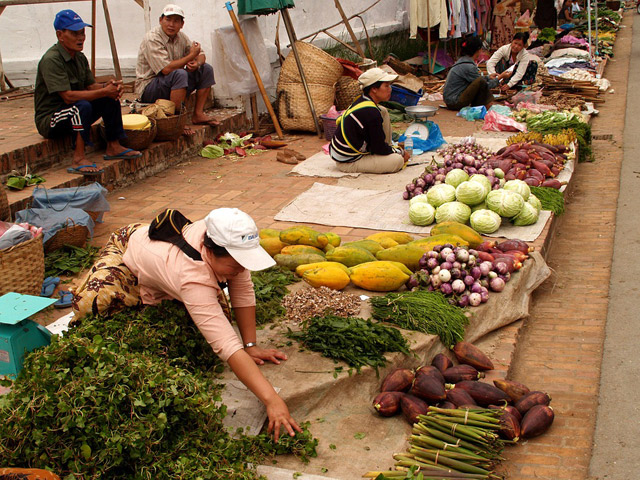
(375, 210)
(320, 165)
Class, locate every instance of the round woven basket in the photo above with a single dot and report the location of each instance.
(293, 108)
(347, 90)
(71, 234)
(140, 139)
(22, 268)
(172, 127)
(319, 67)
(5, 210)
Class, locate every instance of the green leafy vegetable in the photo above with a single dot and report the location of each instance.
(356, 341)
(69, 260)
(423, 311)
(212, 151)
(550, 199)
(270, 288)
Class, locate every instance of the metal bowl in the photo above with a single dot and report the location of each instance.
(421, 111)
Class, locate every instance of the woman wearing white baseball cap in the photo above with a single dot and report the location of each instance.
(228, 243)
(362, 142)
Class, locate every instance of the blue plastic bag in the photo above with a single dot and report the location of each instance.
(502, 110)
(473, 113)
(435, 140)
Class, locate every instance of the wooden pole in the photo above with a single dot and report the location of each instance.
(2, 83)
(292, 37)
(112, 40)
(356, 43)
(254, 69)
(147, 16)
(254, 112)
(338, 23)
(345, 45)
(93, 37)
(429, 38)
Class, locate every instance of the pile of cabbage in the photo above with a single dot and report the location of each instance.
(473, 200)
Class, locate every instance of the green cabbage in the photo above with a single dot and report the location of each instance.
(480, 206)
(455, 177)
(453, 212)
(485, 221)
(212, 151)
(439, 194)
(505, 202)
(477, 177)
(527, 216)
(422, 198)
(520, 187)
(421, 213)
(471, 193)
(533, 200)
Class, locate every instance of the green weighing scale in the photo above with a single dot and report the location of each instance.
(18, 334)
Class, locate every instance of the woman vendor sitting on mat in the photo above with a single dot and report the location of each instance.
(512, 64)
(227, 246)
(465, 86)
(362, 142)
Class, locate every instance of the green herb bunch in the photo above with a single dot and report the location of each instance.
(69, 260)
(270, 287)
(550, 198)
(356, 341)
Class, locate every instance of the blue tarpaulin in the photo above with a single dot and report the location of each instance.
(90, 198)
(52, 220)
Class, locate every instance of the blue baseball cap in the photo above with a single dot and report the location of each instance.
(69, 20)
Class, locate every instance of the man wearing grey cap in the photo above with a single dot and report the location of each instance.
(171, 66)
(363, 137)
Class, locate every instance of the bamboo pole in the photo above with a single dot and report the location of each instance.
(354, 39)
(93, 37)
(254, 69)
(338, 23)
(112, 40)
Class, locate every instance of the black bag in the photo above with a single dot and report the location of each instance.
(167, 227)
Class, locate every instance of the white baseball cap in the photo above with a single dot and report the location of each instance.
(238, 234)
(172, 9)
(374, 75)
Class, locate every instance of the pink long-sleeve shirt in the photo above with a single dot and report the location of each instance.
(164, 272)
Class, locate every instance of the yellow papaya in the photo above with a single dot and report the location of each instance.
(310, 266)
(295, 249)
(304, 236)
(272, 245)
(387, 242)
(334, 239)
(399, 237)
(292, 262)
(269, 232)
(428, 243)
(371, 245)
(378, 276)
(350, 256)
(409, 255)
(331, 277)
(458, 229)
(328, 248)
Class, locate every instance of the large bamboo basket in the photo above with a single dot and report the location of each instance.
(319, 67)
(293, 107)
(22, 267)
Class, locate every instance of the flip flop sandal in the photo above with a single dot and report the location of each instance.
(122, 155)
(49, 285)
(79, 171)
(66, 299)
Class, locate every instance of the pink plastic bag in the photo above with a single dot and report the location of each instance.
(501, 123)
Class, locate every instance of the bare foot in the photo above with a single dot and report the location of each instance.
(115, 153)
(204, 120)
(188, 131)
(87, 166)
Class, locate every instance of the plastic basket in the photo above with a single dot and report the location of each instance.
(329, 126)
(404, 97)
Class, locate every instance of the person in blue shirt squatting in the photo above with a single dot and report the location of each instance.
(465, 86)
(362, 142)
(68, 100)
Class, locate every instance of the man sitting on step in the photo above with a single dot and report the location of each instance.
(68, 100)
(171, 66)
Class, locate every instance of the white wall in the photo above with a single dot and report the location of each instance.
(26, 31)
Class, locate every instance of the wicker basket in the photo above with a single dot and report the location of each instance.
(5, 210)
(319, 67)
(172, 127)
(71, 234)
(293, 107)
(347, 90)
(136, 139)
(22, 268)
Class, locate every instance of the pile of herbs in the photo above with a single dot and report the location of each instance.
(423, 311)
(270, 287)
(547, 35)
(69, 260)
(551, 199)
(129, 402)
(356, 341)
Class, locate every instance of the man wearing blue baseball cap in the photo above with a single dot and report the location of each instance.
(68, 100)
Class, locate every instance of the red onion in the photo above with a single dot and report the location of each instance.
(458, 286)
(464, 301)
(484, 282)
(451, 257)
(485, 268)
(462, 255)
(435, 270)
(437, 248)
(469, 280)
(446, 265)
(430, 288)
(432, 254)
(422, 263)
(475, 299)
(420, 183)
(497, 284)
(440, 178)
(446, 288)
(436, 281)
(457, 264)
(506, 277)
(484, 296)
(473, 252)
(413, 282)
(445, 275)
(457, 165)
(418, 191)
(501, 267)
(476, 273)
(409, 187)
(432, 263)
(476, 288)
(428, 178)
(455, 273)
(406, 195)
(471, 262)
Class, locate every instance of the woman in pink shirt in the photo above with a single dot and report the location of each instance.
(228, 241)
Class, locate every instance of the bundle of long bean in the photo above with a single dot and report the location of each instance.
(453, 444)
(423, 311)
(550, 198)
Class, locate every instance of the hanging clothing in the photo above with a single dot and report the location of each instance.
(546, 14)
(504, 27)
(437, 15)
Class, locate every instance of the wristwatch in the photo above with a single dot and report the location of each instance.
(250, 344)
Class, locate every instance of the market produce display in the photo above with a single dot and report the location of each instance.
(550, 199)
(555, 122)
(356, 341)
(532, 162)
(270, 287)
(315, 302)
(124, 397)
(467, 275)
(460, 424)
(69, 260)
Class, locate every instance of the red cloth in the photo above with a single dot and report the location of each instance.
(350, 69)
